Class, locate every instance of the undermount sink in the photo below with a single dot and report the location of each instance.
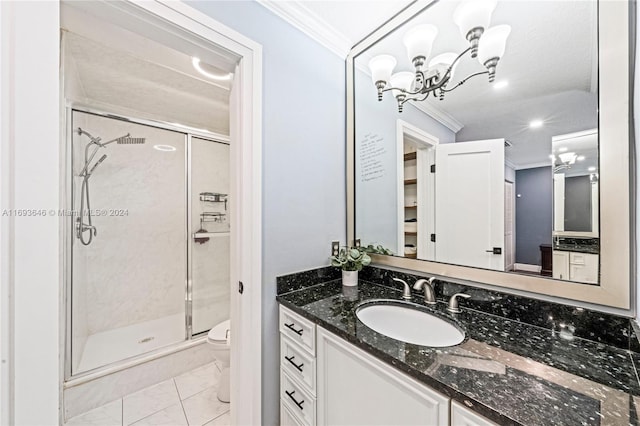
(402, 321)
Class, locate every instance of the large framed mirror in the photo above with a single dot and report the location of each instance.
(490, 141)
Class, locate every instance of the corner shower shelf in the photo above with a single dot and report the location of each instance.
(410, 156)
(212, 217)
(211, 234)
(213, 197)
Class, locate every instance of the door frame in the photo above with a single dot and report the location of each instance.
(30, 78)
(425, 155)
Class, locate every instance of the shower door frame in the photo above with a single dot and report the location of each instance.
(69, 232)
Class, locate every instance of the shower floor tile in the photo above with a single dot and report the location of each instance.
(188, 399)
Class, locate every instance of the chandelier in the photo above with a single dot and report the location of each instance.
(567, 159)
(486, 44)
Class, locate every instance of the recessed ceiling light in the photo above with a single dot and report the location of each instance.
(535, 124)
(563, 149)
(592, 169)
(500, 84)
(580, 158)
(166, 148)
(196, 64)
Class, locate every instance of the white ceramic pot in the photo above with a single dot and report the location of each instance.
(350, 278)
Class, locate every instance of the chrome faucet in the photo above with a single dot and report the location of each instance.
(406, 293)
(429, 292)
(453, 302)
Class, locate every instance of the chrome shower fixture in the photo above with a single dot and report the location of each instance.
(85, 174)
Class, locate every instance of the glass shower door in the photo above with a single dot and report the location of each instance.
(209, 251)
(129, 242)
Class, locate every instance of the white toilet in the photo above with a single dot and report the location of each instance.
(219, 338)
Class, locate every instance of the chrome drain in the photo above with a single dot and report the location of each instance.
(146, 339)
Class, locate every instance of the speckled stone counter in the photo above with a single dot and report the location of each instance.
(511, 372)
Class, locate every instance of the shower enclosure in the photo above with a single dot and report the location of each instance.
(148, 240)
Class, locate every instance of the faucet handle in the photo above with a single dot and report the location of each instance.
(453, 302)
(406, 293)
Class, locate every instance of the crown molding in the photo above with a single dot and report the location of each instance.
(298, 15)
(439, 115)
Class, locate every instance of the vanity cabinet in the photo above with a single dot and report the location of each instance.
(354, 388)
(575, 266)
(324, 380)
(462, 416)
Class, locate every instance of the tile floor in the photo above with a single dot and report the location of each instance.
(186, 400)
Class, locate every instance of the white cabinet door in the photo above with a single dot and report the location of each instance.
(354, 388)
(561, 265)
(461, 416)
(470, 203)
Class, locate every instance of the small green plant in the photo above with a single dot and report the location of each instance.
(377, 249)
(351, 259)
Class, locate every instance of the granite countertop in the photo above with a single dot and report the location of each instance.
(580, 245)
(580, 248)
(508, 371)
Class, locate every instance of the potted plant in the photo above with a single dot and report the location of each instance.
(351, 260)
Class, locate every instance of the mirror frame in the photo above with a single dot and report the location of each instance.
(616, 53)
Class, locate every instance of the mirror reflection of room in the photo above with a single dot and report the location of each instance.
(500, 172)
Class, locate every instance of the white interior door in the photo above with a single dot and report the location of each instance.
(470, 203)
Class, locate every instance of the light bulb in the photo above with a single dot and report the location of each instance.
(493, 43)
(442, 62)
(418, 41)
(402, 80)
(473, 14)
(381, 68)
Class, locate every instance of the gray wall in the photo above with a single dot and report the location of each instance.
(376, 216)
(534, 213)
(304, 205)
(577, 204)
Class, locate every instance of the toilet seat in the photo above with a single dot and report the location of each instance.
(221, 333)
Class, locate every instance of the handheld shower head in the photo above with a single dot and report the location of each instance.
(104, 157)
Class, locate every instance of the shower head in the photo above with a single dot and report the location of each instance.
(126, 140)
(97, 164)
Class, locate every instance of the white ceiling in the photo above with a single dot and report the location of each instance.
(550, 63)
(120, 72)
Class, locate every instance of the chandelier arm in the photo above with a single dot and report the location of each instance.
(458, 58)
(461, 82)
(398, 89)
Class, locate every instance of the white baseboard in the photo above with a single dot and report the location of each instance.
(526, 267)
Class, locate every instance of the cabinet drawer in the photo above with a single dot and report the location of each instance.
(287, 418)
(298, 329)
(298, 364)
(577, 258)
(300, 402)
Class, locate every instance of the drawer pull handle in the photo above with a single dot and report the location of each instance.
(290, 327)
(290, 395)
(290, 359)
